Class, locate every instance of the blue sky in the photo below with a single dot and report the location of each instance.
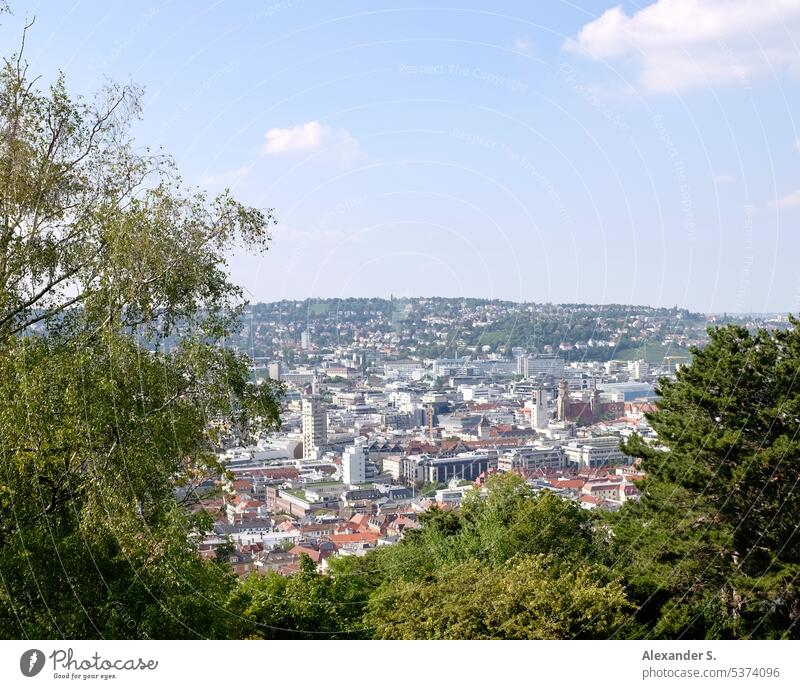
(550, 151)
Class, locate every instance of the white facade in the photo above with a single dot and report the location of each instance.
(354, 464)
(595, 452)
(639, 370)
(539, 415)
(537, 456)
(531, 366)
(315, 427)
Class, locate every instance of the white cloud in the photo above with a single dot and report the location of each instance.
(790, 200)
(687, 43)
(313, 136)
(523, 45)
(722, 180)
(227, 178)
(302, 137)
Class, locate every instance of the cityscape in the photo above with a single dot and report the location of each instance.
(376, 428)
(366, 322)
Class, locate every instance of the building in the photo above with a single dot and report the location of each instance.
(315, 426)
(562, 403)
(534, 457)
(627, 392)
(540, 366)
(450, 367)
(595, 452)
(638, 370)
(392, 465)
(354, 464)
(464, 467)
(345, 372)
(299, 377)
(305, 340)
(494, 367)
(539, 415)
(588, 412)
(298, 503)
(452, 496)
(460, 423)
(402, 368)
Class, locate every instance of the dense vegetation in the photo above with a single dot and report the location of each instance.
(713, 547)
(102, 250)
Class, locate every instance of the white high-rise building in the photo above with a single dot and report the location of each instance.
(540, 365)
(315, 427)
(274, 369)
(305, 339)
(539, 416)
(354, 464)
(639, 370)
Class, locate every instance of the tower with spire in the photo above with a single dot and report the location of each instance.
(562, 404)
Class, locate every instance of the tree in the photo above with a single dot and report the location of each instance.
(114, 391)
(531, 598)
(487, 532)
(712, 549)
(305, 605)
(429, 488)
(224, 551)
(512, 519)
(85, 221)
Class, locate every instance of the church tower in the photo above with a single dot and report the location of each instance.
(594, 403)
(562, 405)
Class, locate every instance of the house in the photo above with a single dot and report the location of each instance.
(273, 561)
(317, 552)
(241, 562)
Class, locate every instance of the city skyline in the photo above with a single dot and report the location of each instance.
(608, 153)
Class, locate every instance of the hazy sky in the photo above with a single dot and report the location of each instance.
(548, 151)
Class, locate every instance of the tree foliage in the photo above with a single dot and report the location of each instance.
(530, 597)
(306, 605)
(86, 220)
(508, 564)
(102, 257)
(712, 548)
(509, 520)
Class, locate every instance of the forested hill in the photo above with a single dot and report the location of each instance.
(438, 327)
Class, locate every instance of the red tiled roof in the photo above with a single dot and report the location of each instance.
(569, 484)
(345, 538)
(315, 555)
(591, 499)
